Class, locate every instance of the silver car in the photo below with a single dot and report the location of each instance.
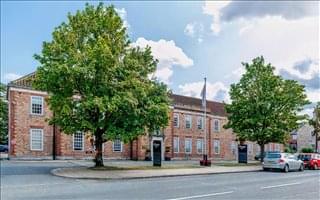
(282, 161)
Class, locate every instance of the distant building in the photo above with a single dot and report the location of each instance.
(31, 137)
(302, 138)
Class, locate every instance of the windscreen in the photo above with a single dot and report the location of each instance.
(273, 155)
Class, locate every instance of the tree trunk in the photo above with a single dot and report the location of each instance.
(316, 133)
(98, 157)
(261, 152)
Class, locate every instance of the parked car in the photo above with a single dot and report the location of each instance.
(310, 160)
(283, 161)
(3, 148)
(258, 155)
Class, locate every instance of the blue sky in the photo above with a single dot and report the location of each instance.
(190, 39)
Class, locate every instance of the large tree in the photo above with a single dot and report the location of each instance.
(315, 122)
(3, 115)
(98, 82)
(264, 106)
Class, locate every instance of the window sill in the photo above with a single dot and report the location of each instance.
(38, 115)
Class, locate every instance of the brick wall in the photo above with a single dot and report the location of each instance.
(21, 121)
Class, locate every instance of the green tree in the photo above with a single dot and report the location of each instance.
(264, 106)
(3, 115)
(315, 122)
(97, 82)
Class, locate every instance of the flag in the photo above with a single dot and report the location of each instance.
(203, 93)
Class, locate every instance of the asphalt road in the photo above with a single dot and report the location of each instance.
(32, 180)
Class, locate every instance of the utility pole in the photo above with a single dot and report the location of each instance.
(204, 104)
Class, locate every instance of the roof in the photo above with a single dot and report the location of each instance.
(179, 101)
(23, 82)
(186, 102)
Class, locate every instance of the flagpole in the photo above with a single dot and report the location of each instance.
(205, 157)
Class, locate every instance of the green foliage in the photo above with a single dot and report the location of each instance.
(3, 115)
(264, 106)
(288, 149)
(98, 82)
(307, 150)
(315, 122)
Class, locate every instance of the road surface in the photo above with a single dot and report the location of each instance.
(32, 180)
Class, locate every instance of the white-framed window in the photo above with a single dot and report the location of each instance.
(78, 141)
(250, 148)
(216, 125)
(176, 145)
(277, 147)
(216, 146)
(176, 120)
(188, 120)
(233, 147)
(199, 146)
(270, 147)
(200, 122)
(188, 145)
(117, 145)
(258, 148)
(36, 105)
(36, 139)
(294, 137)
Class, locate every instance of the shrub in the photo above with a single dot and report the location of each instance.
(289, 149)
(307, 150)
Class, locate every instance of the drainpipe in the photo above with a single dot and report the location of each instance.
(131, 149)
(54, 141)
(172, 134)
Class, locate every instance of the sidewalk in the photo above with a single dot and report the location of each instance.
(145, 170)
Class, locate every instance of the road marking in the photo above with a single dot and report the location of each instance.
(282, 185)
(204, 195)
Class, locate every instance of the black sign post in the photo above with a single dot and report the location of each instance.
(157, 153)
(242, 153)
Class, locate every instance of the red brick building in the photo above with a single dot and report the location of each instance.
(31, 137)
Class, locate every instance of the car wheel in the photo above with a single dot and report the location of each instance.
(315, 167)
(265, 169)
(301, 168)
(286, 168)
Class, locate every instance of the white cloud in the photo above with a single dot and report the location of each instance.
(284, 43)
(215, 91)
(236, 74)
(313, 95)
(223, 12)
(10, 77)
(195, 30)
(214, 8)
(290, 10)
(189, 29)
(307, 111)
(123, 14)
(168, 54)
(308, 74)
(164, 74)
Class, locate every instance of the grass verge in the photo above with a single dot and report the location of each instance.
(109, 168)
